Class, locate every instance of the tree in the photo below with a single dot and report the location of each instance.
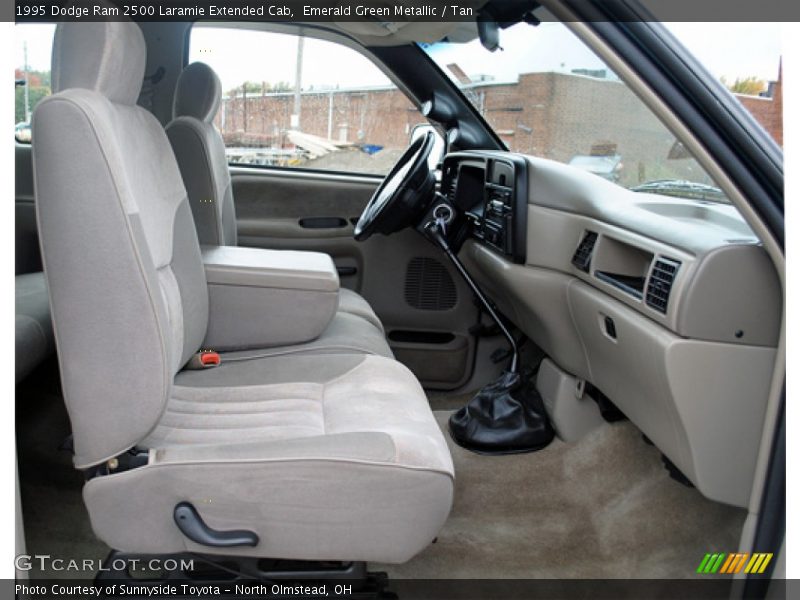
(254, 88)
(35, 78)
(39, 82)
(752, 85)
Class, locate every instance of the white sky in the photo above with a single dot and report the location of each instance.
(525, 49)
(729, 49)
(733, 49)
(272, 59)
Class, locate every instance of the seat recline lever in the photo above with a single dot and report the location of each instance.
(193, 527)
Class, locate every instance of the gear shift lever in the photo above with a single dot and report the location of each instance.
(435, 230)
(506, 415)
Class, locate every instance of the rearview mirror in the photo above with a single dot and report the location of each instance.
(488, 31)
(437, 153)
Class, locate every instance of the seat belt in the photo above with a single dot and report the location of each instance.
(205, 359)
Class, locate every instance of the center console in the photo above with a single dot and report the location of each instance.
(260, 298)
(491, 190)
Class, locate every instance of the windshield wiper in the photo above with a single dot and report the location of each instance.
(681, 188)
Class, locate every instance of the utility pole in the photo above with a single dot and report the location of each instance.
(244, 105)
(330, 115)
(298, 84)
(27, 84)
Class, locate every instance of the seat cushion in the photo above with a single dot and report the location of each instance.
(325, 457)
(345, 334)
(355, 304)
(33, 327)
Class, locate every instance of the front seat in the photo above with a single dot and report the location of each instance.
(200, 151)
(314, 456)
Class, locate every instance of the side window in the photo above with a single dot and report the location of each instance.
(301, 102)
(33, 45)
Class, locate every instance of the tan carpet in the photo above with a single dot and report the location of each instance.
(601, 508)
(443, 401)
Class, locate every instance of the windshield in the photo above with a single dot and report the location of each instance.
(546, 94)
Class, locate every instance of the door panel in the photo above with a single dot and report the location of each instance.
(425, 306)
(274, 206)
(325, 194)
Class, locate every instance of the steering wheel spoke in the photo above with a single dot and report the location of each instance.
(403, 195)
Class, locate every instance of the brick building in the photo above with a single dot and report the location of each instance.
(554, 115)
(381, 116)
(767, 108)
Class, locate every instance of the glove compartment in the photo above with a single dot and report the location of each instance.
(702, 403)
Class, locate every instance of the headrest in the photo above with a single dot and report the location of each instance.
(106, 57)
(197, 93)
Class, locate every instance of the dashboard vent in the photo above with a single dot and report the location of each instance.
(429, 285)
(583, 255)
(661, 279)
(451, 191)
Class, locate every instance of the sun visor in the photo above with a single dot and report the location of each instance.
(385, 32)
(394, 33)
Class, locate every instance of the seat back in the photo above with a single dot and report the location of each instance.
(121, 256)
(200, 151)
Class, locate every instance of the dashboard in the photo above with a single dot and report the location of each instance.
(669, 307)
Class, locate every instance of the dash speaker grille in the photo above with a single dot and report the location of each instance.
(429, 286)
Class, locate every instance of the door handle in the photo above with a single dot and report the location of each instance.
(323, 222)
(346, 271)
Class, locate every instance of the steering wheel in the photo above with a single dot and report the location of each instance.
(403, 196)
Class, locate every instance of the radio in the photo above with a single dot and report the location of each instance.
(502, 213)
(496, 228)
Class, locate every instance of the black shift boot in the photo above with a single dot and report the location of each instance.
(505, 417)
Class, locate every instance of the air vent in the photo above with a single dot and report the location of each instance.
(429, 285)
(451, 192)
(583, 255)
(661, 279)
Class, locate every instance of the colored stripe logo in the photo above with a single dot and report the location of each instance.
(731, 563)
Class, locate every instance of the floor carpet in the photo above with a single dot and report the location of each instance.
(603, 507)
(56, 521)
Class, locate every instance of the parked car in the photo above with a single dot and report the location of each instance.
(607, 167)
(22, 132)
(680, 188)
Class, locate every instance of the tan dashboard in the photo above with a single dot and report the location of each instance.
(670, 307)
